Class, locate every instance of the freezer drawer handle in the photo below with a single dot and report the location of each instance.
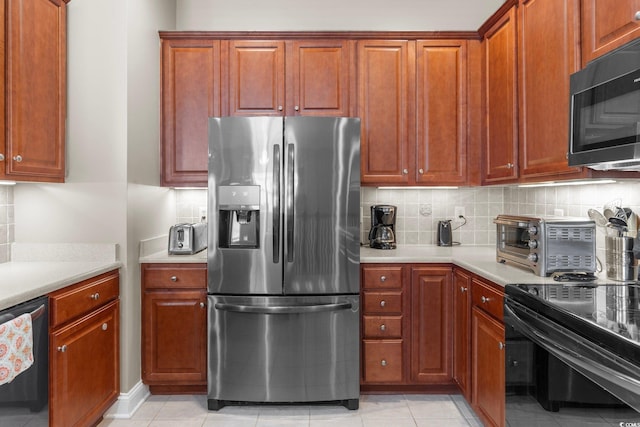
(283, 309)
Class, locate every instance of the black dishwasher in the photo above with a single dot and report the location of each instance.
(29, 390)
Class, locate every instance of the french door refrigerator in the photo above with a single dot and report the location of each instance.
(283, 260)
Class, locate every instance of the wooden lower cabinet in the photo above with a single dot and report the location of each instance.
(461, 330)
(487, 353)
(406, 328)
(84, 351)
(174, 328)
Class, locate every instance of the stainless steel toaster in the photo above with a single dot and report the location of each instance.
(187, 239)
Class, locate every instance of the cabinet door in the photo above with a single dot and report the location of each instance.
(461, 332)
(85, 370)
(548, 36)
(255, 78)
(190, 95)
(174, 329)
(608, 24)
(441, 87)
(385, 107)
(35, 90)
(431, 307)
(320, 78)
(487, 357)
(501, 126)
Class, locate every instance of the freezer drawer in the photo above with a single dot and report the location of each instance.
(283, 349)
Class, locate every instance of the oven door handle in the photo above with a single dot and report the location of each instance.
(283, 309)
(619, 383)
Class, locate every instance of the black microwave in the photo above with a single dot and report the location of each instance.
(604, 120)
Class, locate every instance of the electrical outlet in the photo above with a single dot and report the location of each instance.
(426, 210)
(202, 213)
(558, 212)
(458, 212)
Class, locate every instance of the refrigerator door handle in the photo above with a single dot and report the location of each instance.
(290, 201)
(276, 203)
(283, 309)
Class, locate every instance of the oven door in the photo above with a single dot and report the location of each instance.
(565, 369)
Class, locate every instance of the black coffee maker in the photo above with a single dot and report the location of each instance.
(383, 222)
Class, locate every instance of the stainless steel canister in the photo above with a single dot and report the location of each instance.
(621, 263)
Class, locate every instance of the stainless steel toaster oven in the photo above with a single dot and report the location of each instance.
(546, 245)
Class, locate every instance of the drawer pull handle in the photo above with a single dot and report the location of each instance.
(383, 278)
(95, 296)
(383, 327)
(383, 362)
(62, 348)
(383, 303)
(105, 326)
(174, 278)
(484, 299)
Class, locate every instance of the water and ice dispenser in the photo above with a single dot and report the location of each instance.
(239, 216)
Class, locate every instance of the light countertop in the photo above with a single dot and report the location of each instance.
(37, 269)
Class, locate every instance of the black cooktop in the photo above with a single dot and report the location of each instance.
(607, 314)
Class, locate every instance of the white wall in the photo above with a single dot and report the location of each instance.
(334, 15)
(111, 193)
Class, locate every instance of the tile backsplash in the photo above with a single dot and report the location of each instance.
(419, 210)
(7, 222)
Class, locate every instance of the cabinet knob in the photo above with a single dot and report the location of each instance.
(174, 278)
(279, 107)
(463, 289)
(383, 362)
(501, 345)
(1, 157)
(383, 278)
(383, 303)
(297, 108)
(509, 165)
(383, 327)
(421, 170)
(637, 16)
(484, 300)
(405, 171)
(62, 348)
(105, 326)
(95, 296)
(17, 158)
(202, 305)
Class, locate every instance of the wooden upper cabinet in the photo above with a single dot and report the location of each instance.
(385, 108)
(441, 102)
(256, 78)
(607, 25)
(190, 95)
(35, 67)
(500, 93)
(548, 40)
(320, 78)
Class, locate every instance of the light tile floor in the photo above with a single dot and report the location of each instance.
(375, 411)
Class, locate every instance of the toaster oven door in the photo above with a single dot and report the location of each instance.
(513, 241)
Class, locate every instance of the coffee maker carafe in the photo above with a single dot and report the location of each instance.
(383, 222)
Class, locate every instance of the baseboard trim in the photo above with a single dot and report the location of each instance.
(128, 403)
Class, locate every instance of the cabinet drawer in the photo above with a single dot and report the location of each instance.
(172, 276)
(382, 302)
(382, 326)
(382, 361)
(81, 298)
(487, 298)
(382, 277)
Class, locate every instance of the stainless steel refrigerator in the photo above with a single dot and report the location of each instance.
(283, 260)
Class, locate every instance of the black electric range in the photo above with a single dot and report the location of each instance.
(592, 328)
